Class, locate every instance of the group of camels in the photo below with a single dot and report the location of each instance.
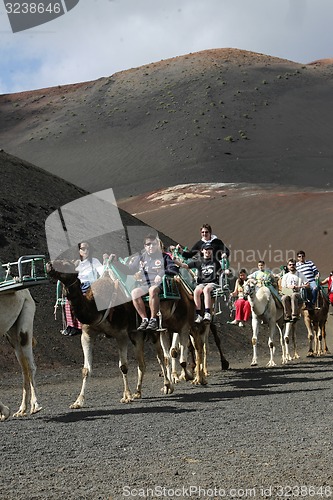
(17, 311)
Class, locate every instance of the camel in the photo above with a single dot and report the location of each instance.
(17, 311)
(118, 322)
(265, 310)
(4, 412)
(315, 322)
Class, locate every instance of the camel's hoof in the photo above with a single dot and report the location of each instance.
(167, 389)
(126, 400)
(137, 395)
(36, 409)
(310, 354)
(5, 413)
(20, 414)
(76, 406)
(187, 376)
(254, 363)
(296, 356)
(225, 364)
(270, 364)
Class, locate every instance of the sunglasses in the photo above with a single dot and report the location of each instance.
(84, 248)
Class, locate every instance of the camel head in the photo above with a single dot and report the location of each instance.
(250, 288)
(62, 270)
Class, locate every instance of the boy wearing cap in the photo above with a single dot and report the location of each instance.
(208, 279)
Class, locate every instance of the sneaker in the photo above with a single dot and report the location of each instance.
(240, 324)
(234, 322)
(75, 331)
(198, 319)
(67, 331)
(143, 325)
(152, 324)
(207, 316)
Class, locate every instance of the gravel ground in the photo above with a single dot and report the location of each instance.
(250, 433)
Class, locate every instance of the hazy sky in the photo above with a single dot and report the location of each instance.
(100, 37)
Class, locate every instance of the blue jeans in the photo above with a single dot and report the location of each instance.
(314, 291)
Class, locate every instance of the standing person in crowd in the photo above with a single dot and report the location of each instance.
(89, 270)
(208, 278)
(310, 271)
(292, 284)
(219, 249)
(149, 269)
(329, 282)
(243, 308)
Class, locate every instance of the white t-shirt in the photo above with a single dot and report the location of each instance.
(289, 280)
(89, 270)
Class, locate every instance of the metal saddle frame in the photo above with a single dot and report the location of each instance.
(27, 271)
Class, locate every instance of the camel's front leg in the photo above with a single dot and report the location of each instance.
(137, 338)
(205, 349)
(87, 343)
(164, 362)
(286, 338)
(166, 348)
(255, 330)
(293, 331)
(271, 361)
(122, 341)
(186, 374)
(174, 352)
(224, 361)
(323, 334)
(25, 357)
(4, 412)
(199, 377)
(307, 322)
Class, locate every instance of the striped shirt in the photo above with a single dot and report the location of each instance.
(308, 269)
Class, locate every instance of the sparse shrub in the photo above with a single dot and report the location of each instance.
(229, 138)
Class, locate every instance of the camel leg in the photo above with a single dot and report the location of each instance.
(87, 342)
(323, 334)
(137, 339)
(293, 329)
(174, 351)
(271, 347)
(205, 350)
(164, 362)
(255, 330)
(316, 338)
(24, 353)
(4, 412)
(307, 322)
(286, 340)
(184, 342)
(224, 361)
(165, 344)
(198, 344)
(122, 341)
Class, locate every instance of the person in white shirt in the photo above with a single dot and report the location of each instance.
(292, 284)
(89, 269)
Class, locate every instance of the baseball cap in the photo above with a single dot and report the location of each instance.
(207, 246)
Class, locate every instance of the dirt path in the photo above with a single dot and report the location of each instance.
(251, 433)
